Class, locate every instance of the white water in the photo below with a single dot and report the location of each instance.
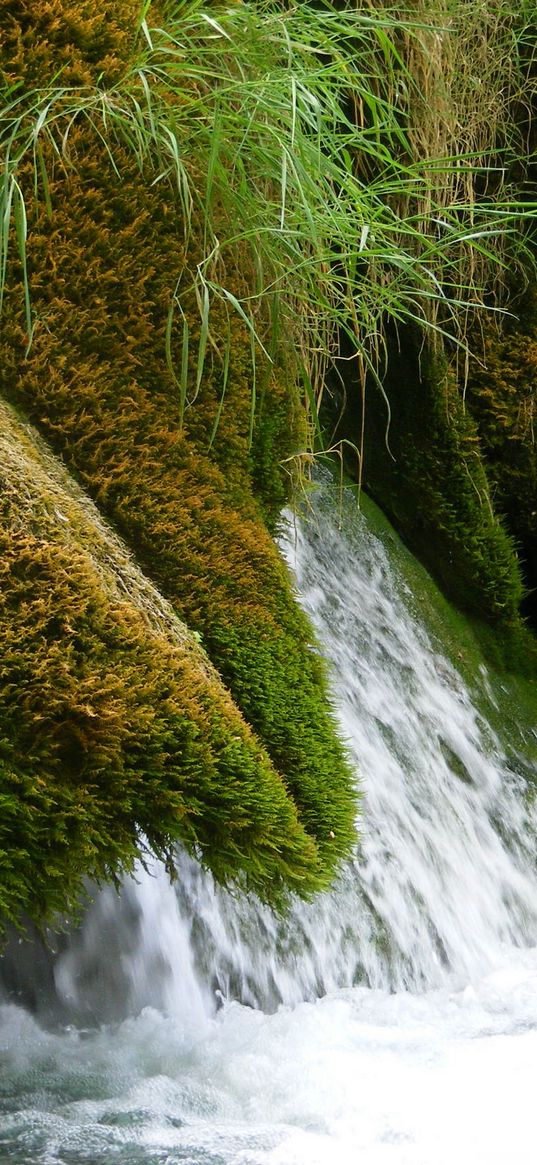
(394, 1020)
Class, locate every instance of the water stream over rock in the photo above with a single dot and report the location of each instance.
(395, 1017)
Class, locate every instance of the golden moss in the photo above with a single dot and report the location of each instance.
(102, 269)
(73, 42)
(112, 722)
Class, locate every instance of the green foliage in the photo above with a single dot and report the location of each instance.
(296, 145)
(453, 483)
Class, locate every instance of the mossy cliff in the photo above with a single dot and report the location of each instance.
(501, 394)
(105, 251)
(113, 723)
(455, 471)
(128, 331)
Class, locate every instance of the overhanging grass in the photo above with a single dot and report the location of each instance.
(291, 138)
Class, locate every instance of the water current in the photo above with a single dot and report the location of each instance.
(391, 1022)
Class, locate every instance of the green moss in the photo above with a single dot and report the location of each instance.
(189, 498)
(431, 480)
(112, 722)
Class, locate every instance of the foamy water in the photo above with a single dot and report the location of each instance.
(359, 1075)
(392, 1021)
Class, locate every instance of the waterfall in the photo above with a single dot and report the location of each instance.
(181, 1023)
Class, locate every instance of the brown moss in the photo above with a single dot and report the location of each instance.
(70, 42)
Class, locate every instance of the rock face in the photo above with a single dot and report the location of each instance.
(125, 728)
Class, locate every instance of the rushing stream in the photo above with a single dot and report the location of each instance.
(393, 1021)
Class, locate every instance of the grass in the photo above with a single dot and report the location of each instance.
(338, 164)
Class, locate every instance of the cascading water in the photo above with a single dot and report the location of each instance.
(395, 1017)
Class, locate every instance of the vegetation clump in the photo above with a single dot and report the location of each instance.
(116, 734)
(447, 446)
(501, 394)
(432, 478)
(197, 208)
(96, 382)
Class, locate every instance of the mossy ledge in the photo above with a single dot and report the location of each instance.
(113, 724)
(193, 499)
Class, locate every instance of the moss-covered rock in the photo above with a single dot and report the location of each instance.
(113, 724)
(501, 393)
(429, 475)
(192, 496)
